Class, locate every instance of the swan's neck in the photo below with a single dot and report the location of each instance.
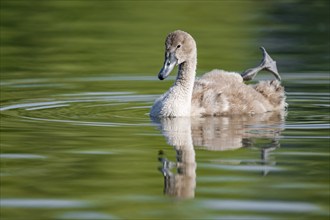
(183, 88)
(176, 102)
(186, 75)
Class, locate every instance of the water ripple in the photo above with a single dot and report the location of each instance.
(27, 105)
(261, 206)
(240, 167)
(307, 126)
(42, 203)
(70, 108)
(22, 156)
(86, 123)
(47, 106)
(94, 97)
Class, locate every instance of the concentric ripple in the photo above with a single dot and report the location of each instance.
(96, 108)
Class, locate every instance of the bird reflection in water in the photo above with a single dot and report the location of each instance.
(213, 134)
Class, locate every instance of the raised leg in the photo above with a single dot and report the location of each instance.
(267, 63)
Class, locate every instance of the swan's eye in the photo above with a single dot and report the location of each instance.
(178, 46)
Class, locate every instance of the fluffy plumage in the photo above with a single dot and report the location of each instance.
(216, 93)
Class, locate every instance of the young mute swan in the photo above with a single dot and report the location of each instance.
(217, 92)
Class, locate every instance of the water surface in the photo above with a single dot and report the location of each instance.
(78, 80)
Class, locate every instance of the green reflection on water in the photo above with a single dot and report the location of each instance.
(64, 38)
(99, 150)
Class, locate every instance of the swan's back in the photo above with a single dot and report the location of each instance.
(223, 93)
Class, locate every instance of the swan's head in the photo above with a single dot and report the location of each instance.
(179, 48)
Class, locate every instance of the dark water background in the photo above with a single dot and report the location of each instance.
(78, 79)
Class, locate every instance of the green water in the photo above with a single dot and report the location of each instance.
(78, 79)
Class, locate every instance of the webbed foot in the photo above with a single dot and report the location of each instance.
(267, 63)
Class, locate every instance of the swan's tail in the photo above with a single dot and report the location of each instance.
(274, 93)
(267, 63)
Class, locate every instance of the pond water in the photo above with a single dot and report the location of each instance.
(78, 80)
